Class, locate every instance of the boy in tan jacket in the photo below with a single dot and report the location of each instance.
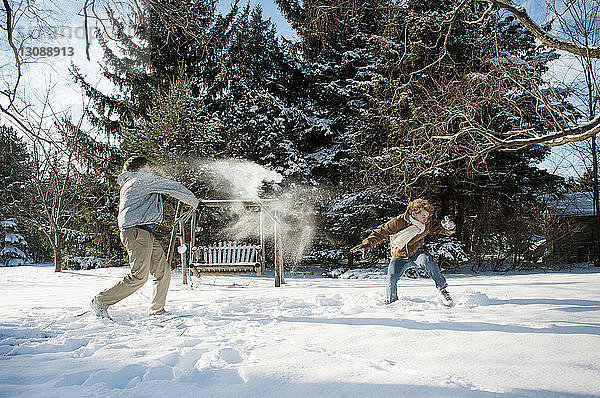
(407, 233)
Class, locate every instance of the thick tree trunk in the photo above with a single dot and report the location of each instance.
(595, 199)
(596, 213)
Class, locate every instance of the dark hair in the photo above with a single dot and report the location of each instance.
(135, 163)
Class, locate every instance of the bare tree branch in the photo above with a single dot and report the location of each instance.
(547, 39)
(574, 134)
(15, 50)
(85, 26)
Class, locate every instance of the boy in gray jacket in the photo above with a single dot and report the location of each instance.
(140, 210)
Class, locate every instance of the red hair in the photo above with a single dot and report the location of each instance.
(418, 205)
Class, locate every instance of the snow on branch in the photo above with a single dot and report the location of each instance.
(564, 136)
(588, 51)
(556, 138)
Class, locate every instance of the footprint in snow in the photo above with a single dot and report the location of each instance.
(230, 355)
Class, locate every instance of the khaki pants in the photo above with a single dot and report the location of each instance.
(146, 256)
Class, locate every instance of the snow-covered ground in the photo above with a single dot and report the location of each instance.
(532, 335)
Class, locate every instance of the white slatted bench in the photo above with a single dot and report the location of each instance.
(227, 258)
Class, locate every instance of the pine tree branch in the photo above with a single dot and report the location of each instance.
(446, 36)
(294, 12)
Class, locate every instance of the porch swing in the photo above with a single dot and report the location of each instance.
(225, 257)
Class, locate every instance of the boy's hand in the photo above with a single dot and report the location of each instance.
(364, 248)
(449, 226)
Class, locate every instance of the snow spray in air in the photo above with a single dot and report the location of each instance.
(245, 179)
(242, 179)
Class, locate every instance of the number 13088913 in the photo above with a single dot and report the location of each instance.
(47, 51)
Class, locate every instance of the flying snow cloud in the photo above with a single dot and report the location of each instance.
(244, 177)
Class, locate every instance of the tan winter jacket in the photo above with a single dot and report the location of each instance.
(399, 223)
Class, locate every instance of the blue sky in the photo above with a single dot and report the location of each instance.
(52, 73)
(270, 10)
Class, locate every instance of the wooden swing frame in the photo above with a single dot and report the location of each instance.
(187, 255)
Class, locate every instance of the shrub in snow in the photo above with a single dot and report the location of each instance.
(13, 244)
(91, 262)
(365, 273)
(359, 273)
(83, 262)
(324, 256)
(336, 272)
(448, 252)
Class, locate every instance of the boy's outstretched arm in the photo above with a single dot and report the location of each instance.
(364, 248)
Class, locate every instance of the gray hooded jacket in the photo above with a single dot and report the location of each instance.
(140, 198)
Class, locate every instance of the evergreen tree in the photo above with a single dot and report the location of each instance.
(254, 107)
(177, 126)
(20, 239)
(385, 79)
(15, 171)
(344, 64)
(168, 39)
(194, 85)
(12, 244)
(221, 83)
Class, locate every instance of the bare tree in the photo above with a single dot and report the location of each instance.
(577, 42)
(36, 20)
(51, 194)
(458, 127)
(580, 22)
(52, 197)
(25, 24)
(53, 202)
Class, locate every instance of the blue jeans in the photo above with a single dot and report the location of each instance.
(398, 265)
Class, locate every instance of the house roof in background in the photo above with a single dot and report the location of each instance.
(573, 204)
